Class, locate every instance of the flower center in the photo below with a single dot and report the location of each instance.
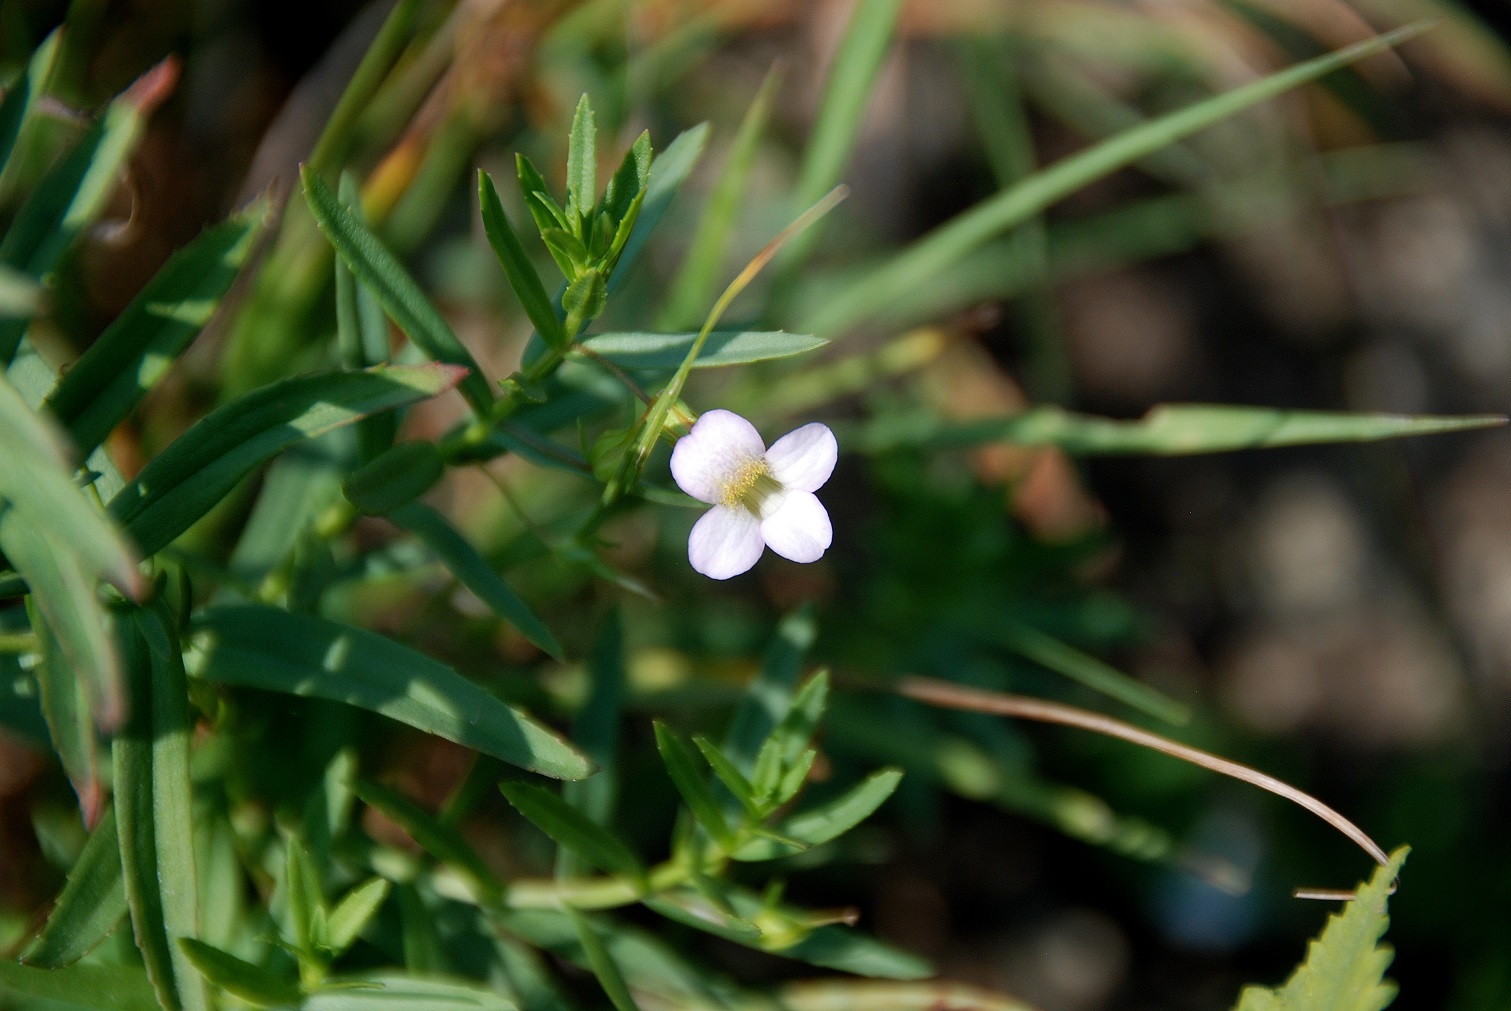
(750, 486)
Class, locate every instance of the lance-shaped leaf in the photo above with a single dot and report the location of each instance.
(97, 392)
(383, 992)
(63, 591)
(633, 350)
(690, 778)
(434, 836)
(361, 327)
(516, 263)
(668, 171)
(474, 572)
(352, 913)
(72, 194)
(582, 162)
(299, 654)
(36, 478)
(602, 963)
(1087, 670)
(1167, 430)
(187, 479)
(385, 277)
(95, 987)
(1345, 967)
(153, 808)
(937, 252)
(827, 821)
(92, 903)
(237, 977)
(769, 696)
(573, 830)
(21, 97)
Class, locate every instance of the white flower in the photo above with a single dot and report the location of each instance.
(761, 497)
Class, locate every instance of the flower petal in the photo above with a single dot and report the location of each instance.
(798, 529)
(719, 446)
(725, 542)
(804, 458)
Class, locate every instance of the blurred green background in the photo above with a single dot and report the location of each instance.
(1339, 617)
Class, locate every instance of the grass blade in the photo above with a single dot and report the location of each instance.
(263, 647)
(1047, 651)
(474, 572)
(937, 252)
(21, 96)
(187, 479)
(92, 903)
(693, 289)
(134, 352)
(378, 269)
(362, 333)
(517, 266)
(153, 808)
(1167, 430)
(602, 963)
(397, 32)
(63, 691)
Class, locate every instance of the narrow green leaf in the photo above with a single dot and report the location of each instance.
(20, 296)
(1086, 670)
(21, 97)
(1345, 967)
(64, 690)
(574, 830)
(629, 180)
(690, 781)
(474, 572)
(91, 906)
(582, 163)
(362, 329)
(583, 300)
(543, 207)
(36, 478)
(1167, 430)
(97, 987)
(63, 591)
(669, 170)
(304, 896)
(385, 276)
(634, 350)
(730, 776)
(602, 963)
(187, 479)
(394, 992)
(263, 647)
(354, 912)
(828, 821)
(769, 696)
(239, 978)
(336, 137)
(700, 911)
(97, 392)
(935, 253)
(517, 266)
(692, 290)
(153, 809)
(73, 193)
(397, 477)
(433, 836)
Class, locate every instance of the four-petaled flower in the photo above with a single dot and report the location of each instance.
(761, 497)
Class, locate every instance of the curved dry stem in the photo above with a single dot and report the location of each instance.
(953, 696)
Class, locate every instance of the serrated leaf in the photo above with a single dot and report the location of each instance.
(153, 805)
(636, 350)
(582, 163)
(1167, 430)
(394, 992)
(433, 835)
(1345, 966)
(474, 572)
(96, 987)
(99, 390)
(938, 251)
(828, 821)
(299, 654)
(602, 963)
(689, 779)
(91, 905)
(377, 268)
(187, 479)
(352, 913)
(517, 266)
(239, 978)
(574, 830)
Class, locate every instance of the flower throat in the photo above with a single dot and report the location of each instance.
(750, 487)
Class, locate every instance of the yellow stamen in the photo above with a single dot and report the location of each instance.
(750, 486)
